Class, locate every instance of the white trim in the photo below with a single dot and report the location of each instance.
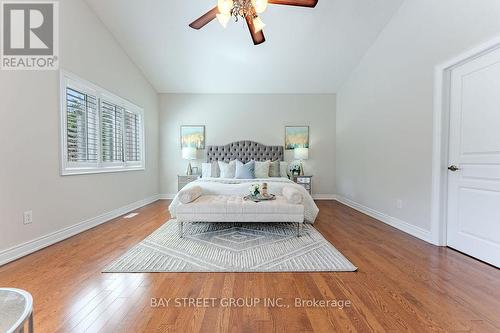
(167, 196)
(324, 197)
(91, 171)
(418, 232)
(441, 136)
(34, 245)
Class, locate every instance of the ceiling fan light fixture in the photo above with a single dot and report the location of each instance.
(224, 19)
(260, 5)
(249, 11)
(225, 6)
(258, 24)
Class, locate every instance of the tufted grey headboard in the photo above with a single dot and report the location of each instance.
(244, 151)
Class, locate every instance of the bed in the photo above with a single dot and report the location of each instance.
(246, 151)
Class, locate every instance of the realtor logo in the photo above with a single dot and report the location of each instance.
(29, 35)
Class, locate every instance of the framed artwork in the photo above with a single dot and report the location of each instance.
(296, 137)
(193, 136)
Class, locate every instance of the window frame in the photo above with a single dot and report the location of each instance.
(69, 80)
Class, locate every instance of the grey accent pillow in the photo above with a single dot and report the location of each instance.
(245, 171)
(274, 169)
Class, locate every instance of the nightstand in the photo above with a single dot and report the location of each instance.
(305, 181)
(183, 180)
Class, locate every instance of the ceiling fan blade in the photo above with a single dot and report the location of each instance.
(257, 37)
(299, 3)
(205, 19)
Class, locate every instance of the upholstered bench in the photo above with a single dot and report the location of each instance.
(219, 208)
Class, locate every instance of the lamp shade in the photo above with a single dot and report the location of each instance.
(224, 19)
(301, 153)
(189, 153)
(258, 24)
(259, 5)
(225, 6)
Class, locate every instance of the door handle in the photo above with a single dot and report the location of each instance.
(453, 168)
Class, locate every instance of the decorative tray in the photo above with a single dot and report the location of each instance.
(260, 198)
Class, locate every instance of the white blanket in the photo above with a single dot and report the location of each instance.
(240, 187)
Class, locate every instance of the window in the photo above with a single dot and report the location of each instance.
(112, 132)
(133, 137)
(81, 127)
(100, 132)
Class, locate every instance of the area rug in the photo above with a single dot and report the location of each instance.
(232, 247)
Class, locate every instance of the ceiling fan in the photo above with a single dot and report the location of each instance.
(248, 10)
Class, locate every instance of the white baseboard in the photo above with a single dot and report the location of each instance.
(24, 249)
(324, 197)
(167, 196)
(418, 232)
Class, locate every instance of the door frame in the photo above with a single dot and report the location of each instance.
(441, 131)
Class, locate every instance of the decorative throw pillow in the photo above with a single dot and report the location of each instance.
(209, 170)
(215, 169)
(227, 170)
(284, 169)
(274, 169)
(262, 169)
(245, 171)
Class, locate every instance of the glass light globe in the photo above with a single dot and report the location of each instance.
(259, 5)
(225, 6)
(223, 19)
(258, 24)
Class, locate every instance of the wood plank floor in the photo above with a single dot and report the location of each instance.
(403, 284)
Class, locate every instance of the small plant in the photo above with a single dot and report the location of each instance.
(295, 169)
(254, 190)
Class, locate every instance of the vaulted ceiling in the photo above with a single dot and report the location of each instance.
(307, 50)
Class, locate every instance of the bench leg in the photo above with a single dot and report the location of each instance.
(181, 229)
(299, 225)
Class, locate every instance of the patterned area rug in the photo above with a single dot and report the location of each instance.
(232, 247)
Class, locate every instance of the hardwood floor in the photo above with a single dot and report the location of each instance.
(403, 284)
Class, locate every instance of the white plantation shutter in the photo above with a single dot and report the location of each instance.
(101, 132)
(133, 139)
(81, 127)
(111, 132)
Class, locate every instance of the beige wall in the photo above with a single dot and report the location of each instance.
(29, 135)
(260, 118)
(384, 115)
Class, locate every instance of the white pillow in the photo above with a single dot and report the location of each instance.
(284, 169)
(187, 195)
(262, 169)
(209, 170)
(227, 170)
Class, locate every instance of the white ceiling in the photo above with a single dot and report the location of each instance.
(307, 50)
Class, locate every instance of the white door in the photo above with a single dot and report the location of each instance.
(474, 185)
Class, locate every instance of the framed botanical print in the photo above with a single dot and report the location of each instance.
(296, 137)
(193, 136)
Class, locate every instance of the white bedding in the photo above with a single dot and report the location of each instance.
(240, 187)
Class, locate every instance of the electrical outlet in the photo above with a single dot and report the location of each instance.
(28, 217)
(399, 204)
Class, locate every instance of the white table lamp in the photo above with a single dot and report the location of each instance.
(301, 154)
(189, 153)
